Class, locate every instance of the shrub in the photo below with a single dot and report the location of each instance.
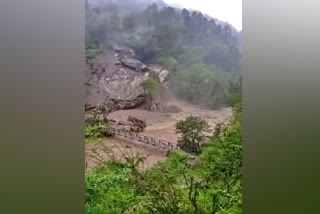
(212, 185)
(192, 137)
(235, 94)
(167, 62)
(151, 90)
(95, 131)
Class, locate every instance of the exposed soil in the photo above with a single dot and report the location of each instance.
(162, 125)
(159, 125)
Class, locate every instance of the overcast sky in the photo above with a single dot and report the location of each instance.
(224, 10)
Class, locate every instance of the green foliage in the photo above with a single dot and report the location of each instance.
(201, 84)
(95, 131)
(106, 190)
(221, 164)
(167, 62)
(91, 53)
(151, 88)
(205, 58)
(235, 94)
(118, 188)
(191, 56)
(209, 183)
(91, 49)
(192, 130)
(165, 34)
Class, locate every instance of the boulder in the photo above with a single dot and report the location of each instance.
(138, 125)
(113, 86)
(136, 120)
(114, 81)
(134, 64)
(133, 124)
(123, 50)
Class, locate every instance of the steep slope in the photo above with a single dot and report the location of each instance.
(113, 80)
(204, 57)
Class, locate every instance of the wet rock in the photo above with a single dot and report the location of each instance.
(114, 86)
(94, 116)
(89, 107)
(116, 81)
(162, 74)
(89, 118)
(136, 120)
(133, 124)
(138, 124)
(134, 64)
(123, 50)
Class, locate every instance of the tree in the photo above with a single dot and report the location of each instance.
(151, 13)
(192, 130)
(151, 90)
(129, 22)
(167, 62)
(221, 164)
(235, 94)
(156, 32)
(208, 184)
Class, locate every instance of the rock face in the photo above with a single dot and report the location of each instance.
(113, 80)
(109, 83)
(162, 73)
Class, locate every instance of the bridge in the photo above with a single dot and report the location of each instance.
(134, 136)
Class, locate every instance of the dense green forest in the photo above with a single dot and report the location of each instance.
(209, 182)
(204, 57)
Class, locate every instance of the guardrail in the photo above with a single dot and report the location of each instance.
(162, 144)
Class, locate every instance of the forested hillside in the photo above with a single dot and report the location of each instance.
(166, 32)
(187, 43)
(198, 63)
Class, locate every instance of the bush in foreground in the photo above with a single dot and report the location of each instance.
(95, 131)
(205, 184)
